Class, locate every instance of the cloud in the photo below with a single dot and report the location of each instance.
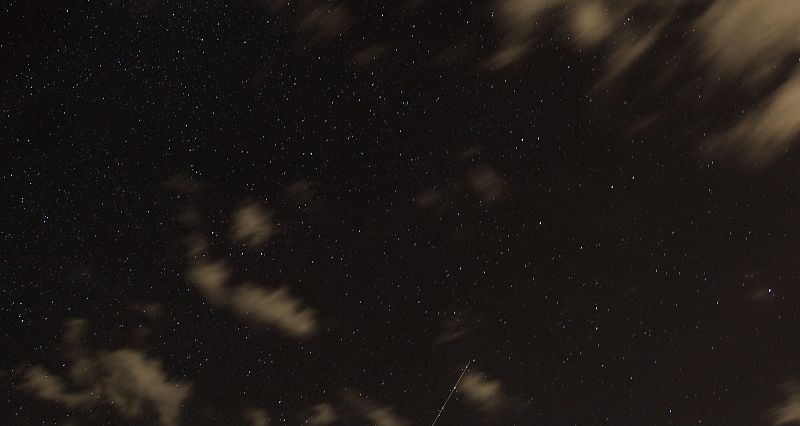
(326, 22)
(196, 245)
(49, 387)
(768, 131)
(452, 329)
(739, 42)
(507, 55)
(788, 411)
(486, 183)
(190, 217)
(132, 383)
(521, 15)
(520, 20)
(128, 380)
(590, 22)
(322, 414)
(258, 305)
(752, 40)
(302, 194)
(627, 53)
(184, 184)
(253, 225)
(257, 417)
(210, 279)
(277, 308)
(485, 394)
(369, 54)
(384, 416)
(74, 332)
(428, 198)
(750, 37)
(378, 415)
(151, 311)
(273, 307)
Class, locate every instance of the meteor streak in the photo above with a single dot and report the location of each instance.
(451, 393)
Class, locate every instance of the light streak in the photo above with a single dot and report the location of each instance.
(451, 393)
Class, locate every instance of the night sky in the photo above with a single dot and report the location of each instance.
(319, 212)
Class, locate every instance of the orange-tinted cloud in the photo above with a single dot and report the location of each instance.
(788, 411)
(126, 379)
(253, 225)
(484, 393)
(322, 414)
(276, 308)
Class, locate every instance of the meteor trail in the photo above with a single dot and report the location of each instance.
(451, 393)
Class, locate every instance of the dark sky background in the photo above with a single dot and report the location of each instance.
(569, 237)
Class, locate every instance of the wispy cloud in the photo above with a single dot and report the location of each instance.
(486, 394)
(486, 182)
(210, 279)
(326, 21)
(273, 307)
(766, 132)
(184, 184)
(322, 414)
(753, 40)
(128, 380)
(253, 225)
(257, 417)
(135, 383)
(376, 414)
(50, 387)
(788, 411)
(747, 43)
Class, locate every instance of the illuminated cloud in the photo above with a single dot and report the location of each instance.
(484, 393)
(74, 332)
(384, 416)
(252, 224)
(788, 411)
(753, 40)
(378, 415)
(302, 194)
(184, 184)
(507, 55)
(190, 217)
(486, 183)
(49, 387)
(210, 279)
(368, 55)
(149, 310)
(257, 417)
(275, 308)
(749, 41)
(766, 132)
(628, 52)
(590, 22)
(326, 21)
(520, 21)
(322, 414)
(196, 245)
(452, 329)
(428, 198)
(126, 379)
(470, 152)
(749, 37)
(134, 384)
